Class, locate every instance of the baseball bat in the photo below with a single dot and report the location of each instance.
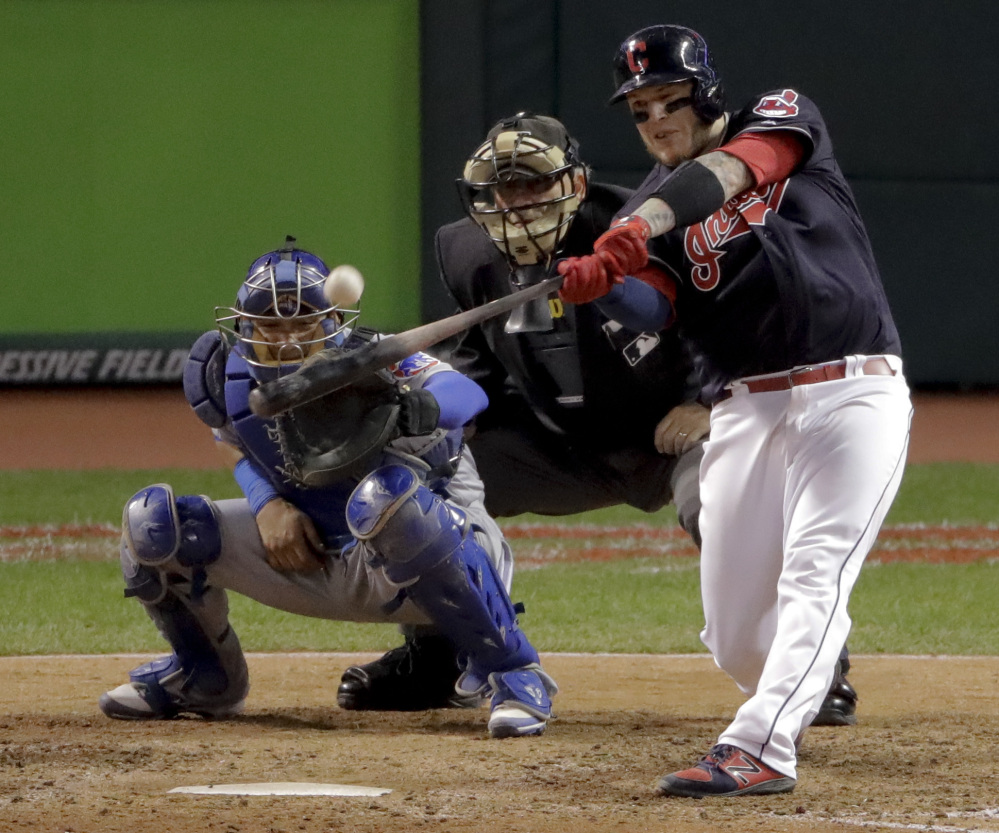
(331, 370)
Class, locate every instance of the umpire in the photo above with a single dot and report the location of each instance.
(578, 402)
(575, 395)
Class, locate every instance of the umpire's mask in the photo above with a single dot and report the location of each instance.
(523, 186)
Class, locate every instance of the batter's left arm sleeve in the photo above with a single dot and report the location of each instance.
(637, 305)
(771, 156)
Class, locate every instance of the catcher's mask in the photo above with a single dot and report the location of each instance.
(523, 186)
(288, 308)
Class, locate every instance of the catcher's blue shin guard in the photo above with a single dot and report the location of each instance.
(166, 545)
(430, 547)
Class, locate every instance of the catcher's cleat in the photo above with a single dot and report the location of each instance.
(840, 706)
(726, 771)
(145, 698)
(416, 676)
(521, 701)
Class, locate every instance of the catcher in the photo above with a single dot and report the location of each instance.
(359, 506)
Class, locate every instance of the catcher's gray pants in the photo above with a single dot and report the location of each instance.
(192, 609)
(349, 589)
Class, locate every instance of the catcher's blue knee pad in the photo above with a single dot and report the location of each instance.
(411, 528)
(162, 531)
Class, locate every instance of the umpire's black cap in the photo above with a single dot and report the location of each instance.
(544, 128)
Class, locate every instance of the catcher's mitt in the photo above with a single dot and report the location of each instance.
(336, 436)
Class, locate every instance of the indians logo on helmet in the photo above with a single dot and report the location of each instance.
(780, 106)
(637, 61)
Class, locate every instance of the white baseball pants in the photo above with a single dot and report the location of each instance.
(794, 485)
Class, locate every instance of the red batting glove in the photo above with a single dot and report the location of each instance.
(585, 279)
(623, 245)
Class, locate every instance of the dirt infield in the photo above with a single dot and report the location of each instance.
(140, 429)
(920, 758)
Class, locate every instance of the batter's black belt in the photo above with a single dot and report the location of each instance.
(828, 372)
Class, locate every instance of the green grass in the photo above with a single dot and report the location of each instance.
(638, 605)
(926, 609)
(78, 607)
(956, 493)
(60, 497)
(632, 606)
(932, 493)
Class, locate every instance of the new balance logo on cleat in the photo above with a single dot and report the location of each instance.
(743, 773)
(726, 771)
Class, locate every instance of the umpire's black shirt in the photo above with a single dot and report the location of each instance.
(589, 377)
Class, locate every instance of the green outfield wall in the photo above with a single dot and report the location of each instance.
(151, 150)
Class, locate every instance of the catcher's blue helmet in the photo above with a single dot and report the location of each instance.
(666, 54)
(286, 289)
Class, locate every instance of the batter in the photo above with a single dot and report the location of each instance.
(779, 298)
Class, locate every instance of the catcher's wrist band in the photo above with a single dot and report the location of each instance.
(258, 489)
(693, 192)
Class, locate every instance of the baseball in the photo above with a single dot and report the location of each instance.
(344, 286)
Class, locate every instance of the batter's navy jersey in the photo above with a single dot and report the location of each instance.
(782, 275)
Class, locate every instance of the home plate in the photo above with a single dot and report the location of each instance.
(281, 788)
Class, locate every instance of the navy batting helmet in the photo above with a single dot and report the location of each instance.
(666, 54)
